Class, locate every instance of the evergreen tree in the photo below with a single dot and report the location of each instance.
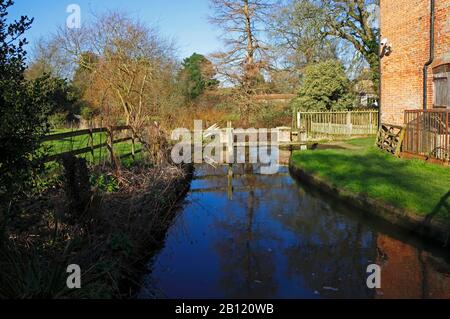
(325, 86)
(196, 76)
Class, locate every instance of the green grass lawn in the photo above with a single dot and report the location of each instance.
(79, 142)
(364, 169)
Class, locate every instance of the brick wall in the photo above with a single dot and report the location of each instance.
(406, 24)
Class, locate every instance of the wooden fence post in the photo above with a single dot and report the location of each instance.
(293, 122)
(230, 182)
(303, 140)
(110, 145)
(91, 143)
(133, 150)
(398, 147)
(349, 123)
(329, 121)
(230, 142)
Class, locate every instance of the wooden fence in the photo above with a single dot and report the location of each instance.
(427, 134)
(321, 124)
(390, 138)
(90, 146)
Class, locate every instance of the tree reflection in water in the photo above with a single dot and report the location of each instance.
(332, 251)
(275, 239)
(247, 268)
(325, 250)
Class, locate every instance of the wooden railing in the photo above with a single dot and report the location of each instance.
(428, 134)
(91, 147)
(317, 124)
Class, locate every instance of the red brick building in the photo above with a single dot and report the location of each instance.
(407, 26)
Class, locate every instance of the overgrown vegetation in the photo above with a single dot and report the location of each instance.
(109, 225)
(108, 220)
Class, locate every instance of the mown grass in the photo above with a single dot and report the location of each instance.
(79, 142)
(407, 184)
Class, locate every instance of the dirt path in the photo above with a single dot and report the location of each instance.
(338, 145)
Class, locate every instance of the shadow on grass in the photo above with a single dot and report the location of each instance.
(442, 205)
(405, 184)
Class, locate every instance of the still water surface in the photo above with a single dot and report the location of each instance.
(268, 236)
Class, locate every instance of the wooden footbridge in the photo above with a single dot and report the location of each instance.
(229, 136)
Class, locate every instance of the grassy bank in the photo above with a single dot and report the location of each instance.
(362, 169)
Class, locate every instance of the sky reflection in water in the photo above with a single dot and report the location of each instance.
(272, 238)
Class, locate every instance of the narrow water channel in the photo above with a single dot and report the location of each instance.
(268, 236)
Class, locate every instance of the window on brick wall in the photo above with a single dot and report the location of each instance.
(441, 83)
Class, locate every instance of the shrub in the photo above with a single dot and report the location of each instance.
(270, 115)
(106, 183)
(24, 107)
(57, 120)
(325, 86)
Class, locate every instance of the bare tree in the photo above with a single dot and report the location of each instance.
(242, 22)
(132, 79)
(307, 23)
(48, 58)
(293, 31)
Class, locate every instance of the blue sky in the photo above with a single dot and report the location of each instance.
(183, 20)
